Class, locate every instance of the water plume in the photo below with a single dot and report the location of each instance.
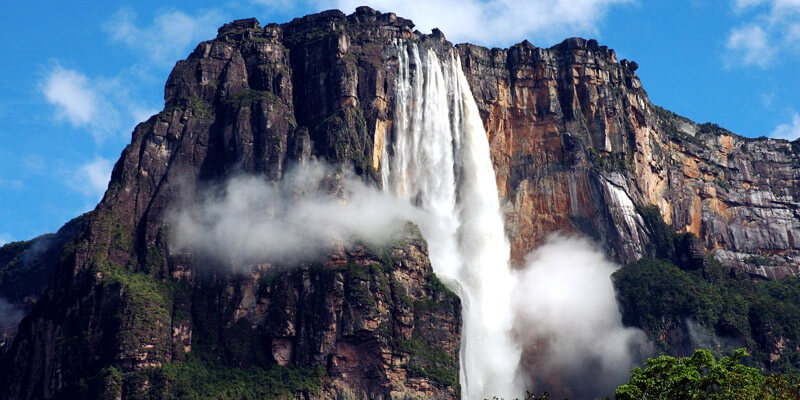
(567, 317)
(439, 159)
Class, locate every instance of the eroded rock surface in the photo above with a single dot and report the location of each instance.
(577, 146)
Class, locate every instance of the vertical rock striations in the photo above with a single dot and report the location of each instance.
(577, 146)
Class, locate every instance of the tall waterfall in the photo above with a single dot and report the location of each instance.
(438, 158)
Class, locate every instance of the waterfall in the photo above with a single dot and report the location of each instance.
(438, 158)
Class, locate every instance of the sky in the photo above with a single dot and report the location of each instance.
(77, 77)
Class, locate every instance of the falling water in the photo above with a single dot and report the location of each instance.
(439, 159)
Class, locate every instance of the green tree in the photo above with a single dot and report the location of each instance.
(702, 377)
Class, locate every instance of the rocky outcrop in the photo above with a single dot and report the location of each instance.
(578, 146)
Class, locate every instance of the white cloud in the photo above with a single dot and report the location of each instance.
(749, 45)
(5, 238)
(141, 114)
(484, 22)
(11, 183)
(770, 29)
(91, 179)
(34, 163)
(790, 131)
(741, 5)
(82, 101)
(102, 106)
(167, 37)
(498, 22)
(69, 91)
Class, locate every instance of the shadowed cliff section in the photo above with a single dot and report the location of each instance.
(126, 315)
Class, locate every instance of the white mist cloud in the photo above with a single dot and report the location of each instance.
(312, 210)
(5, 238)
(790, 131)
(167, 37)
(770, 29)
(10, 316)
(91, 179)
(567, 312)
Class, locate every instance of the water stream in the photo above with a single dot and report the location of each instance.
(438, 158)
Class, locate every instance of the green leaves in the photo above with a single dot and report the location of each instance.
(697, 377)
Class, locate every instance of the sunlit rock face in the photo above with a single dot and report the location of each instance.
(575, 140)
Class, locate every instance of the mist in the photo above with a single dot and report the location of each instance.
(10, 315)
(311, 211)
(568, 321)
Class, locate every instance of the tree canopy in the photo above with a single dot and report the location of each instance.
(700, 376)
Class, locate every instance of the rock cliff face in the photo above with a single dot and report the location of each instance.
(123, 308)
(577, 146)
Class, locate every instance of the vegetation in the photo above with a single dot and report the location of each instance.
(429, 361)
(657, 296)
(702, 377)
(11, 260)
(204, 381)
(249, 96)
(606, 161)
(661, 293)
(668, 125)
(146, 304)
(714, 129)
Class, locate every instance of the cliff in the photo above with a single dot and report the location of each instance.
(576, 144)
(124, 315)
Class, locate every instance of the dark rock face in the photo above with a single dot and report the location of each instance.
(576, 144)
(253, 100)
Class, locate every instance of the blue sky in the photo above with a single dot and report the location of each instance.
(76, 79)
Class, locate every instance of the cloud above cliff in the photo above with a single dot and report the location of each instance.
(101, 106)
(92, 178)
(484, 22)
(788, 131)
(769, 29)
(70, 92)
(313, 210)
(498, 22)
(167, 36)
(567, 311)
